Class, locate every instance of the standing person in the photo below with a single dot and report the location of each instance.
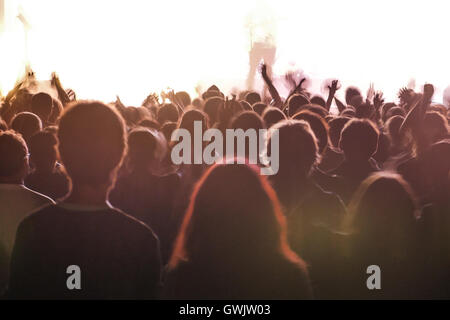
(116, 255)
(232, 243)
(16, 201)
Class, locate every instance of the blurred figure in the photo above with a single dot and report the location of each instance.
(232, 243)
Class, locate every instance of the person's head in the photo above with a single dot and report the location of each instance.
(434, 127)
(298, 150)
(26, 123)
(318, 126)
(359, 140)
(14, 157)
(392, 128)
(272, 115)
(296, 102)
(335, 128)
(212, 91)
(233, 217)
(183, 97)
(146, 148)
(259, 107)
(317, 109)
(348, 112)
(42, 146)
(167, 129)
(190, 117)
(247, 120)
(252, 98)
(42, 106)
(92, 143)
(394, 111)
(350, 93)
(245, 105)
(382, 211)
(167, 112)
(211, 108)
(319, 101)
(149, 124)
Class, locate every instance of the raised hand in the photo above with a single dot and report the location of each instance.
(428, 91)
(332, 90)
(378, 100)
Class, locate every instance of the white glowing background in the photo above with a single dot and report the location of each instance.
(101, 48)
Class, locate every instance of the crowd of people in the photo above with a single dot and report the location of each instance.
(361, 182)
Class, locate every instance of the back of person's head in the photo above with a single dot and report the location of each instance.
(149, 124)
(348, 112)
(42, 146)
(296, 102)
(14, 156)
(233, 216)
(298, 149)
(197, 103)
(437, 165)
(259, 107)
(394, 111)
(319, 101)
(359, 139)
(167, 112)
(167, 129)
(318, 126)
(212, 91)
(272, 115)
(392, 127)
(350, 93)
(435, 126)
(383, 209)
(27, 124)
(57, 110)
(335, 128)
(183, 97)
(247, 120)
(245, 105)
(211, 108)
(317, 109)
(189, 118)
(42, 106)
(91, 142)
(252, 98)
(144, 147)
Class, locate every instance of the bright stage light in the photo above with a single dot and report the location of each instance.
(102, 48)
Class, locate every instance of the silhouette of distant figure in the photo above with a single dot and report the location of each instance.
(232, 243)
(117, 254)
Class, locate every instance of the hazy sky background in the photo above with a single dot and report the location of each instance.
(101, 48)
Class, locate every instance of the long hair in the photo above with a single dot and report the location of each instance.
(233, 214)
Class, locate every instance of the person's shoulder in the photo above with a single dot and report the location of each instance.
(129, 223)
(39, 197)
(39, 215)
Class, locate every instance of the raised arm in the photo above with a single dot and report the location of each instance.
(272, 90)
(332, 91)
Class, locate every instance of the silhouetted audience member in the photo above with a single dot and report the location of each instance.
(118, 255)
(232, 243)
(27, 124)
(47, 175)
(359, 142)
(42, 106)
(16, 200)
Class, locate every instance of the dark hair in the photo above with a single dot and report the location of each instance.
(319, 101)
(233, 214)
(247, 120)
(350, 93)
(295, 103)
(359, 139)
(42, 106)
(167, 129)
(184, 97)
(42, 147)
(143, 147)
(252, 98)
(272, 115)
(335, 128)
(259, 107)
(91, 142)
(26, 123)
(318, 125)
(13, 150)
(211, 108)
(167, 112)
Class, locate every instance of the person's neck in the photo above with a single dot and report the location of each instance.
(88, 195)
